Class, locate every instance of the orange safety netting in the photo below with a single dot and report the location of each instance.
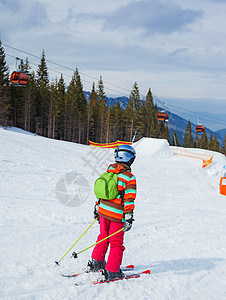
(206, 159)
(109, 145)
(206, 163)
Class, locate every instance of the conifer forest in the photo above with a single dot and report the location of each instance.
(57, 111)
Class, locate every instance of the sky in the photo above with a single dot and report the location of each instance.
(176, 48)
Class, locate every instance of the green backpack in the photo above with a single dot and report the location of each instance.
(105, 187)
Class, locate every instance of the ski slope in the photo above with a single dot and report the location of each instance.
(46, 203)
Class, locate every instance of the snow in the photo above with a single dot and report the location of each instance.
(153, 148)
(179, 230)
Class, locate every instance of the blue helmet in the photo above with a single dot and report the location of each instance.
(125, 154)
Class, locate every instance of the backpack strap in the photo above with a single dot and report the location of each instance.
(122, 193)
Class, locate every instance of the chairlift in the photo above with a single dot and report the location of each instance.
(18, 78)
(199, 127)
(163, 116)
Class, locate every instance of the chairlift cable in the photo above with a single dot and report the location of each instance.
(106, 88)
(62, 66)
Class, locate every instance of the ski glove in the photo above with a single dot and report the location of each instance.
(129, 221)
(95, 213)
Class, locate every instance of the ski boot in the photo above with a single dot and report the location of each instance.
(108, 275)
(95, 265)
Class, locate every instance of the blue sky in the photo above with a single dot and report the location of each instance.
(176, 48)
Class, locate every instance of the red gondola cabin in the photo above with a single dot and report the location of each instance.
(200, 128)
(163, 117)
(19, 78)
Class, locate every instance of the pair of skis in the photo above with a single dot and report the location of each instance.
(124, 269)
(129, 276)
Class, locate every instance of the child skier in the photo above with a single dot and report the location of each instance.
(115, 214)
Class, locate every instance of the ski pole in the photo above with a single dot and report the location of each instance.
(75, 255)
(57, 262)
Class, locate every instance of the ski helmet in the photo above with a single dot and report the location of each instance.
(125, 154)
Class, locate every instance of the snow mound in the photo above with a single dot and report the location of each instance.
(153, 148)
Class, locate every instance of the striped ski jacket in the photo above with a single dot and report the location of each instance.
(114, 209)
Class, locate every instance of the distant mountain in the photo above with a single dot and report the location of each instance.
(221, 132)
(111, 101)
(179, 124)
(175, 123)
(213, 120)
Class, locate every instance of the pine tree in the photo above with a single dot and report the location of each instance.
(147, 109)
(25, 66)
(119, 122)
(102, 111)
(28, 103)
(76, 111)
(129, 118)
(60, 109)
(216, 145)
(42, 100)
(81, 107)
(132, 116)
(196, 143)
(166, 134)
(4, 109)
(211, 142)
(4, 71)
(116, 122)
(30, 112)
(107, 126)
(21, 65)
(188, 138)
(52, 109)
(18, 99)
(154, 127)
(4, 95)
(175, 140)
(71, 110)
(160, 130)
(42, 73)
(203, 140)
(92, 115)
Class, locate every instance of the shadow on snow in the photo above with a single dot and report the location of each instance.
(184, 266)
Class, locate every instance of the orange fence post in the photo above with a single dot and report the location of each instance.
(223, 186)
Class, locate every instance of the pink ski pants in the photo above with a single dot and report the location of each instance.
(114, 261)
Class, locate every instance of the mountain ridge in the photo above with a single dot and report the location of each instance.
(176, 123)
